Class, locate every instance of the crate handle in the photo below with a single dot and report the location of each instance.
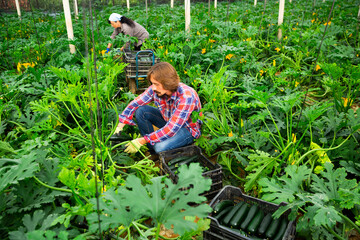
(137, 65)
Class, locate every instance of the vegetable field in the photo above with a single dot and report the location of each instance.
(280, 111)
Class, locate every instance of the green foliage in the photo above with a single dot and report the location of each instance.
(322, 201)
(14, 170)
(166, 203)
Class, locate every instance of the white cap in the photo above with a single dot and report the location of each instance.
(114, 17)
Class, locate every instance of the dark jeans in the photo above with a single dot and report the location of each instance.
(147, 116)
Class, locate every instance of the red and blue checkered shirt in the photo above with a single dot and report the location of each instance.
(176, 111)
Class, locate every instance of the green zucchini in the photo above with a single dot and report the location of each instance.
(255, 222)
(181, 159)
(234, 210)
(239, 216)
(220, 215)
(282, 229)
(273, 227)
(222, 205)
(251, 214)
(264, 224)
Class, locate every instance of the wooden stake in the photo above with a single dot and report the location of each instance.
(18, 8)
(76, 9)
(187, 15)
(68, 22)
(281, 17)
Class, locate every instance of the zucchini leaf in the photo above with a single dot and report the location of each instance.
(25, 167)
(166, 203)
(286, 187)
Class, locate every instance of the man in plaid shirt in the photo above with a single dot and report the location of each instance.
(175, 102)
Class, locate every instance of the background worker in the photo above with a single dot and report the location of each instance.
(174, 101)
(126, 26)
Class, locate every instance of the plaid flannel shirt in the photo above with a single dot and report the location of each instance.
(176, 111)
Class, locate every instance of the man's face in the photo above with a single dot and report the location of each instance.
(158, 88)
(116, 24)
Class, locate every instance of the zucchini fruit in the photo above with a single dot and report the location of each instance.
(255, 222)
(222, 205)
(274, 225)
(233, 211)
(236, 220)
(251, 214)
(282, 229)
(264, 224)
(179, 160)
(220, 215)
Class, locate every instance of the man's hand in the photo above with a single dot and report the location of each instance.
(117, 134)
(134, 145)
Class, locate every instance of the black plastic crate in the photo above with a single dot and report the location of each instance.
(217, 231)
(144, 58)
(214, 173)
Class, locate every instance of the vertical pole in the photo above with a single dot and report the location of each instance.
(18, 8)
(68, 22)
(281, 17)
(187, 15)
(76, 9)
(255, 2)
(209, 7)
(146, 7)
(172, 3)
(215, 4)
(128, 5)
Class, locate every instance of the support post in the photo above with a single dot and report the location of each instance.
(68, 22)
(187, 15)
(18, 8)
(281, 17)
(76, 10)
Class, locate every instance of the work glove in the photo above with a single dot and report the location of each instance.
(133, 146)
(117, 134)
(107, 50)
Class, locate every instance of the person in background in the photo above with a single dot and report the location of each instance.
(124, 25)
(174, 101)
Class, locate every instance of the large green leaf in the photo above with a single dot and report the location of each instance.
(166, 203)
(260, 164)
(25, 167)
(332, 181)
(286, 187)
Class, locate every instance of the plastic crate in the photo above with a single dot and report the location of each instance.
(214, 173)
(217, 231)
(144, 59)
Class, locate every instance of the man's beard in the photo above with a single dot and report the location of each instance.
(159, 94)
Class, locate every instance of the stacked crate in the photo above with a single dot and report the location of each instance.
(214, 171)
(218, 231)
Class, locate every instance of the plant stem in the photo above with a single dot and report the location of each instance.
(157, 231)
(334, 233)
(350, 222)
(322, 149)
(58, 189)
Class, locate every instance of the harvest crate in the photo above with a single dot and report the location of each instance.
(139, 63)
(214, 173)
(217, 231)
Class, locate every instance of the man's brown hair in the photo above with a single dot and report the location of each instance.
(164, 73)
